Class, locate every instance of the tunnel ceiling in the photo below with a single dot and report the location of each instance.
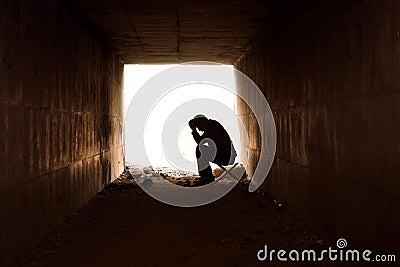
(154, 31)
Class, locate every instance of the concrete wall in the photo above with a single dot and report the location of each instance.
(330, 71)
(60, 119)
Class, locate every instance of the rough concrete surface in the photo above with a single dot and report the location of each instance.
(123, 226)
(60, 120)
(330, 74)
(158, 31)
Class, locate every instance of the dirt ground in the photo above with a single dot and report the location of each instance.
(123, 226)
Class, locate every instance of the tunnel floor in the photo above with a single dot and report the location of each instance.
(123, 226)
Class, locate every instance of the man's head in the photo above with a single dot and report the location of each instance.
(201, 122)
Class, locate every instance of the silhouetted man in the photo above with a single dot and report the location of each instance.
(214, 145)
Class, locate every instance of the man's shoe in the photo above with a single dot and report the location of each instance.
(203, 180)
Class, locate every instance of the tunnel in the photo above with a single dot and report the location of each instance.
(328, 69)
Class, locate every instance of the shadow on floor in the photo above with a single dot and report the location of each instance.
(123, 226)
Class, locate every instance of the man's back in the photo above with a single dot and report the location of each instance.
(218, 134)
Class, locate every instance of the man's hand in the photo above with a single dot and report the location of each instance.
(192, 125)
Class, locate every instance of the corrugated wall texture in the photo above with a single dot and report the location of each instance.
(60, 117)
(331, 75)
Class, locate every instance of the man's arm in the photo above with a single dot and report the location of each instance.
(195, 134)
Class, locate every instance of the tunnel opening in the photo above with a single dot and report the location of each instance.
(327, 68)
(163, 110)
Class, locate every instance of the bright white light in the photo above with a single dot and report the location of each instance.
(136, 75)
(134, 78)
